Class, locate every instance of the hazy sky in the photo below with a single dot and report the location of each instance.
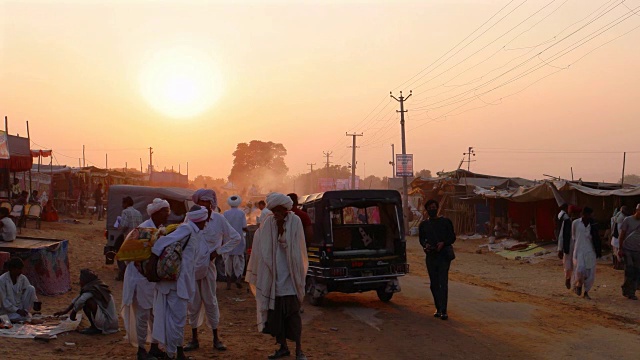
(121, 76)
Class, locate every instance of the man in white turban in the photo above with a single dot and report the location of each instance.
(276, 273)
(138, 292)
(234, 260)
(172, 297)
(218, 238)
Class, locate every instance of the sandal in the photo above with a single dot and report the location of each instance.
(193, 345)
(280, 354)
(90, 331)
(301, 356)
(218, 345)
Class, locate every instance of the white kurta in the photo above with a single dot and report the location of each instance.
(584, 256)
(172, 297)
(137, 302)
(14, 297)
(219, 236)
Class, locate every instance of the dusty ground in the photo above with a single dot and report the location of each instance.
(499, 309)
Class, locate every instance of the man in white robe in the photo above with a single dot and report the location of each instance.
(234, 260)
(565, 240)
(17, 295)
(276, 273)
(587, 249)
(138, 292)
(218, 238)
(172, 297)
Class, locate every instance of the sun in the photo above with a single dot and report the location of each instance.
(180, 83)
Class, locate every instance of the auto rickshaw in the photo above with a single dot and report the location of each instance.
(358, 243)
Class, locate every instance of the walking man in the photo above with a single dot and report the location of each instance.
(565, 244)
(218, 238)
(630, 251)
(437, 236)
(97, 197)
(276, 273)
(587, 249)
(234, 260)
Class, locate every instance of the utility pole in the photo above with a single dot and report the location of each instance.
(353, 159)
(83, 158)
(141, 172)
(405, 187)
(393, 161)
(150, 160)
(106, 161)
(624, 160)
(469, 153)
(311, 180)
(327, 155)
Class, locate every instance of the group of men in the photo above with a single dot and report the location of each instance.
(157, 312)
(579, 247)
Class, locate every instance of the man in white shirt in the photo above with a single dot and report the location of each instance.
(17, 295)
(234, 261)
(138, 292)
(264, 211)
(587, 248)
(7, 226)
(218, 238)
(172, 297)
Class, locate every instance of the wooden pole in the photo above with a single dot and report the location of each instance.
(624, 160)
(572, 173)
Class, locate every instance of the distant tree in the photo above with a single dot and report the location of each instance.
(631, 179)
(423, 173)
(260, 163)
(202, 181)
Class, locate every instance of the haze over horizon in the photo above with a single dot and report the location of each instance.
(535, 87)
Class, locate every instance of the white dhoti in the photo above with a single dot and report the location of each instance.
(170, 317)
(138, 322)
(567, 262)
(205, 301)
(137, 305)
(234, 265)
(26, 303)
(584, 263)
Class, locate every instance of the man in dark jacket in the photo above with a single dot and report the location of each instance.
(436, 236)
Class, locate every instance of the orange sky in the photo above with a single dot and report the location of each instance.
(303, 74)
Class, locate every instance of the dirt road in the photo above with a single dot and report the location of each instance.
(499, 309)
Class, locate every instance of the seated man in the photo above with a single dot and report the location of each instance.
(96, 302)
(34, 199)
(7, 226)
(16, 293)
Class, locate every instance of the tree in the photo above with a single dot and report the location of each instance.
(260, 163)
(424, 173)
(631, 179)
(202, 181)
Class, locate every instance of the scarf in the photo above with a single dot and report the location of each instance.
(261, 271)
(99, 290)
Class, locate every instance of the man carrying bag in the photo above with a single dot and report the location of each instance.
(437, 236)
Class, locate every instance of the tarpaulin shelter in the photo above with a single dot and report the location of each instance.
(15, 156)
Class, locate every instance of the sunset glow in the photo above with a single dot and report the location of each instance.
(180, 83)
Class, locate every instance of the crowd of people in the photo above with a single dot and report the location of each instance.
(579, 247)
(157, 312)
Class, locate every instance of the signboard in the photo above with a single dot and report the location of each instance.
(404, 165)
(4, 145)
(328, 184)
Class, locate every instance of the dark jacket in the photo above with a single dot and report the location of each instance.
(595, 239)
(433, 231)
(566, 234)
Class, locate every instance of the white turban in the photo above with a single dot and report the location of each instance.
(199, 215)
(275, 199)
(157, 205)
(234, 201)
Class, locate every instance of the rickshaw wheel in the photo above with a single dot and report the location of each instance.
(383, 295)
(315, 301)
